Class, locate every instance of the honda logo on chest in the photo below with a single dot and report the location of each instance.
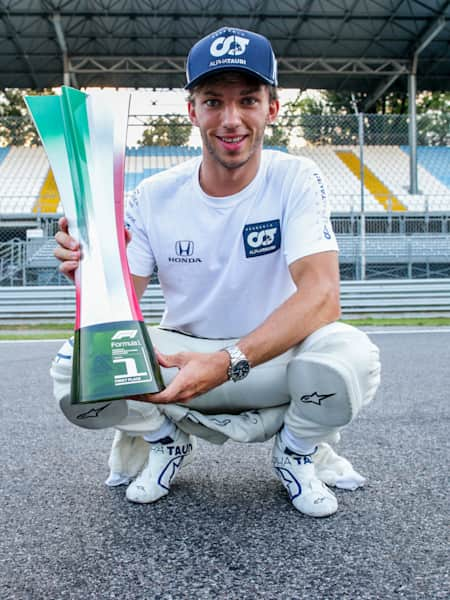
(184, 247)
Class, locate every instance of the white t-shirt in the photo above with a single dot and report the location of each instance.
(223, 262)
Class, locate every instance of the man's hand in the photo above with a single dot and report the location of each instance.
(199, 372)
(68, 251)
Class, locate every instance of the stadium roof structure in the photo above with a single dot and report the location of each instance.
(357, 45)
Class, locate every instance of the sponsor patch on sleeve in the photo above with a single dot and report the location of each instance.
(262, 238)
(326, 233)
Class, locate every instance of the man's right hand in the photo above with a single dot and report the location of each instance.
(68, 251)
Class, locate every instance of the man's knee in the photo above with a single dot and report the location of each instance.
(94, 415)
(61, 370)
(335, 372)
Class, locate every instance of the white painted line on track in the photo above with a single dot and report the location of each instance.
(404, 331)
(369, 331)
(31, 341)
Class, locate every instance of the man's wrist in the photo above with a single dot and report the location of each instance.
(239, 365)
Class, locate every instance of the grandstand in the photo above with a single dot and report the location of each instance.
(369, 48)
(418, 244)
(391, 164)
(436, 160)
(23, 172)
(148, 160)
(27, 184)
(407, 235)
(3, 154)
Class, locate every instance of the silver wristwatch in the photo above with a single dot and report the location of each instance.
(239, 365)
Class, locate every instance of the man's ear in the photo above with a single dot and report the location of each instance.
(192, 113)
(274, 109)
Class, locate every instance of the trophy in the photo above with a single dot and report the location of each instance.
(84, 136)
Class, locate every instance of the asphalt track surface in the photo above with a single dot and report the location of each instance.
(227, 529)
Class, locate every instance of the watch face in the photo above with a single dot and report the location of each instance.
(240, 370)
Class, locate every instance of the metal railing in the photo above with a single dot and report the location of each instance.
(418, 255)
(404, 223)
(429, 297)
(12, 259)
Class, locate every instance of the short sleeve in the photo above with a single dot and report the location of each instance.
(139, 251)
(307, 228)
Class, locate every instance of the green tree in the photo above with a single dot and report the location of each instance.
(277, 134)
(433, 122)
(317, 120)
(166, 130)
(329, 118)
(16, 126)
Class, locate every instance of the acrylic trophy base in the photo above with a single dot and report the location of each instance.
(113, 361)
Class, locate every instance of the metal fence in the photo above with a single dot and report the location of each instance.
(289, 130)
(358, 299)
(406, 223)
(363, 206)
(368, 144)
(388, 256)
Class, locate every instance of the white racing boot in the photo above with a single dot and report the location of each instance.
(165, 458)
(296, 471)
(335, 470)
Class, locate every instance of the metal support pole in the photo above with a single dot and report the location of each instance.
(362, 232)
(66, 74)
(412, 131)
(423, 42)
(409, 267)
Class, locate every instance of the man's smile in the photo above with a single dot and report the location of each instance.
(231, 142)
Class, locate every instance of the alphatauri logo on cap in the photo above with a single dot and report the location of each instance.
(235, 45)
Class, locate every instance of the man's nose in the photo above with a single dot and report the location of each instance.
(232, 116)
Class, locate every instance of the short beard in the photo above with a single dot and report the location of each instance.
(232, 166)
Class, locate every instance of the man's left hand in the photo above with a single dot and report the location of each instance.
(198, 373)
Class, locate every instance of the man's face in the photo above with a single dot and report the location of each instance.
(232, 116)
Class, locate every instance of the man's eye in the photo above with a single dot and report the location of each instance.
(211, 102)
(249, 101)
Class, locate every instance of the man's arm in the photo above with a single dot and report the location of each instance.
(313, 305)
(140, 285)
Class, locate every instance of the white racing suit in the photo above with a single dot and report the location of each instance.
(315, 388)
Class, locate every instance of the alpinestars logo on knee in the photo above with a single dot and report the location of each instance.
(93, 412)
(315, 398)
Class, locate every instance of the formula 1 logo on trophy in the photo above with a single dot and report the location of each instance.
(84, 136)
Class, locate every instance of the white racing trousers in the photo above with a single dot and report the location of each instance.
(316, 389)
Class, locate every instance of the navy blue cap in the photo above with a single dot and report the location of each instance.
(231, 49)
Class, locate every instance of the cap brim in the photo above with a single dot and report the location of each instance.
(220, 68)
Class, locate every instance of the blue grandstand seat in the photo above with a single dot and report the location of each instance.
(3, 153)
(177, 150)
(150, 172)
(146, 161)
(164, 151)
(132, 180)
(436, 160)
(279, 148)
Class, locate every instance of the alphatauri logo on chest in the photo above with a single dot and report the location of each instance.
(262, 238)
